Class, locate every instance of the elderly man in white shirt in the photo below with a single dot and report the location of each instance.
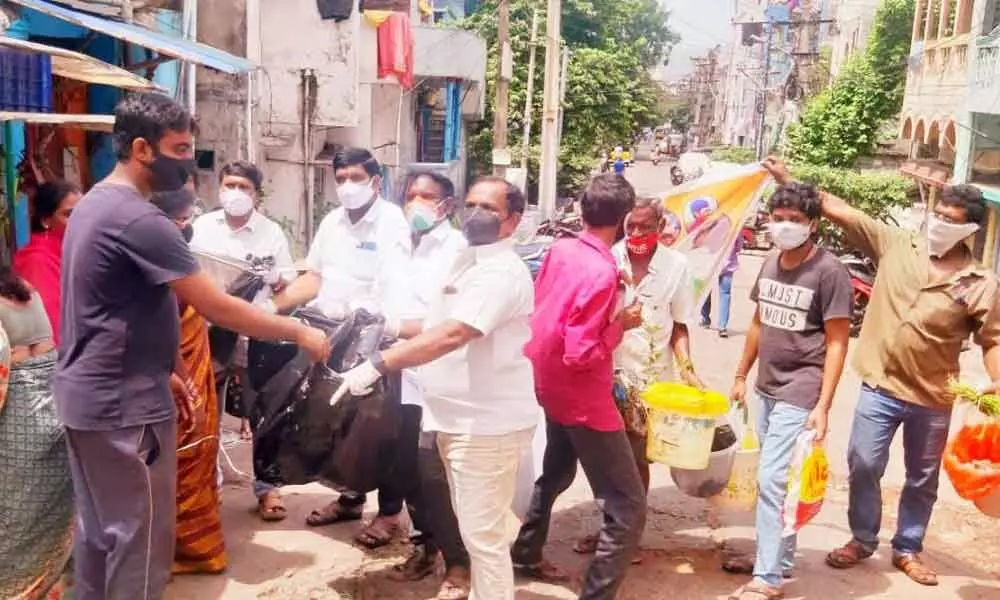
(238, 230)
(358, 259)
(660, 279)
(478, 386)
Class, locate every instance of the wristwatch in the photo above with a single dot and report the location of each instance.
(378, 362)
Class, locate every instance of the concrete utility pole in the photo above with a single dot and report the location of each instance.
(550, 112)
(501, 157)
(563, 77)
(526, 138)
(762, 107)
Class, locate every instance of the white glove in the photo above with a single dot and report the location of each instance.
(358, 381)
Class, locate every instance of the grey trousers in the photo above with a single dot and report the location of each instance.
(125, 488)
(609, 464)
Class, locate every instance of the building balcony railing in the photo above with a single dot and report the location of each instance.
(984, 85)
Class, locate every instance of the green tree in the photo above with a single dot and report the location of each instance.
(610, 94)
(843, 123)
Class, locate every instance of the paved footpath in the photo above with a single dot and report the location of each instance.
(681, 552)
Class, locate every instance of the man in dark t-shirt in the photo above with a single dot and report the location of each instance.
(123, 261)
(799, 334)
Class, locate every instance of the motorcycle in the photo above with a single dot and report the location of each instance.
(676, 175)
(565, 224)
(862, 272)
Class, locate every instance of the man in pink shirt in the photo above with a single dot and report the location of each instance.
(577, 324)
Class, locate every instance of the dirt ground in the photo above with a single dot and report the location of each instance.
(681, 552)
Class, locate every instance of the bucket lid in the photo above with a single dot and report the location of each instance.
(685, 400)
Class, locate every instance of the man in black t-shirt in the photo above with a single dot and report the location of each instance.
(123, 260)
(798, 338)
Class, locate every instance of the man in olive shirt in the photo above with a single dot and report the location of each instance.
(929, 296)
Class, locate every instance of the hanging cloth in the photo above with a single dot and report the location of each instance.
(395, 49)
(338, 10)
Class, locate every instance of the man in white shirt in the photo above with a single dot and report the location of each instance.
(429, 204)
(358, 259)
(239, 231)
(478, 386)
(659, 349)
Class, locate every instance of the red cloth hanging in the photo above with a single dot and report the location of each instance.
(395, 49)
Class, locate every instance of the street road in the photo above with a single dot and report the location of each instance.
(681, 551)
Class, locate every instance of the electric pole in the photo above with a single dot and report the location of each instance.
(762, 107)
(563, 76)
(501, 157)
(526, 138)
(550, 112)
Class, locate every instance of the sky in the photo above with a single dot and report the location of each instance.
(702, 25)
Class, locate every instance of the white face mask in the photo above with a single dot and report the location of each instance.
(942, 236)
(235, 203)
(789, 235)
(354, 195)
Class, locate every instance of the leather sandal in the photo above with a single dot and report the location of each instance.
(914, 568)
(848, 555)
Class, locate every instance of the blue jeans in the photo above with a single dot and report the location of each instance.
(925, 432)
(778, 424)
(725, 298)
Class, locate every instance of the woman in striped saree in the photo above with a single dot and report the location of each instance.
(199, 546)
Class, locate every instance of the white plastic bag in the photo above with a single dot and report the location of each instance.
(741, 492)
(807, 478)
(530, 469)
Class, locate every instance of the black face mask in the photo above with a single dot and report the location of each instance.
(480, 226)
(188, 232)
(169, 174)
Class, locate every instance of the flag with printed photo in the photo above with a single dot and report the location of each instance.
(704, 218)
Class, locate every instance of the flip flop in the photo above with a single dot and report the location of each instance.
(270, 508)
(375, 535)
(333, 512)
(847, 556)
(914, 568)
(456, 586)
(757, 591)
(544, 572)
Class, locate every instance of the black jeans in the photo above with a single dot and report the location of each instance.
(609, 464)
(396, 483)
(430, 507)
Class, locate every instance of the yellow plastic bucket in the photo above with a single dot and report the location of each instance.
(681, 424)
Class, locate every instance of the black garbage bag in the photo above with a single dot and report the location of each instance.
(298, 436)
(222, 342)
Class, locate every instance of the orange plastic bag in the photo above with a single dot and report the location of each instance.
(972, 459)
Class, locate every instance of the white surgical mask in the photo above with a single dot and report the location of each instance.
(942, 236)
(354, 195)
(236, 203)
(789, 235)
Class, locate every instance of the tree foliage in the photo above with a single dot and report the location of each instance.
(842, 124)
(610, 94)
(734, 154)
(876, 194)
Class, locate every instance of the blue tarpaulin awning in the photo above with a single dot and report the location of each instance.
(162, 43)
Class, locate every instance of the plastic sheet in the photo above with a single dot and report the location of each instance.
(298, 436)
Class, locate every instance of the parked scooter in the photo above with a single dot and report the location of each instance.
(676, 175)
(565, 224)
(862, 272)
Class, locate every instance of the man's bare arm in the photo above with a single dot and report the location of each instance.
(229, 312)
(304, 289)
(429, 345)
